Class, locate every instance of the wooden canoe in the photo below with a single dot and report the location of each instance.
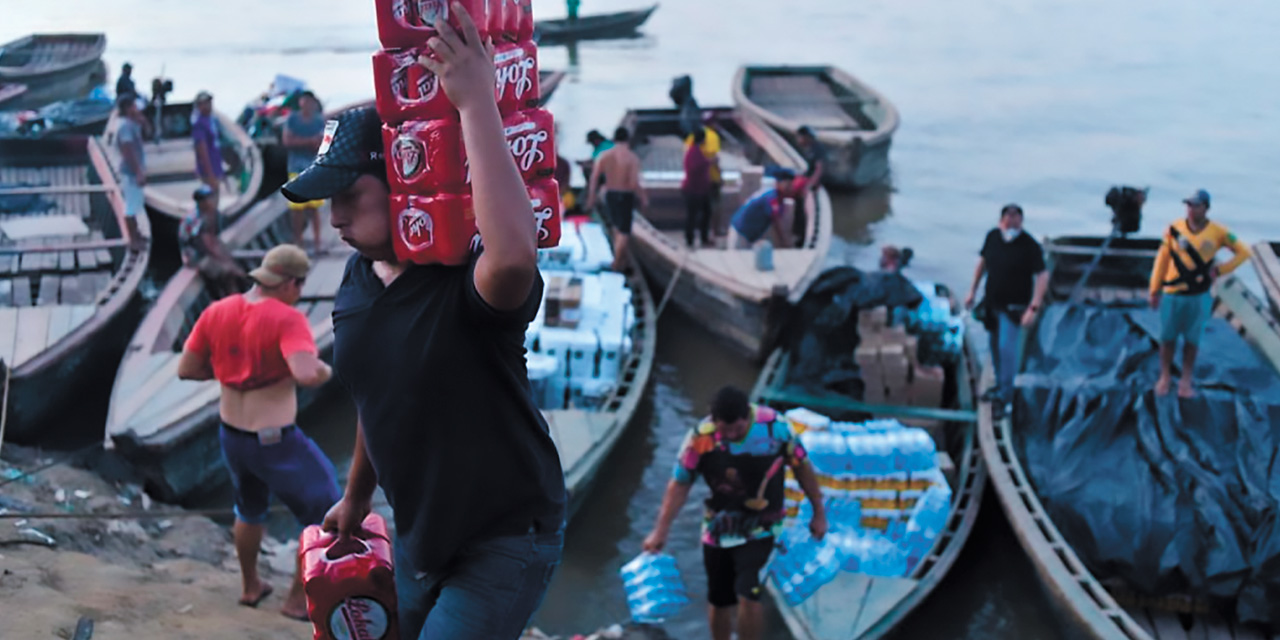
(171, 166)
(1086, 605)
(166, 428)
(857, 606)
(1267, 264)
(68, 281)
(592, 27)
(722, 288)
(84, 116)
(45, 56)
(852, 120)
(585, 438)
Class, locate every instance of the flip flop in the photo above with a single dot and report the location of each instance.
(253, 604)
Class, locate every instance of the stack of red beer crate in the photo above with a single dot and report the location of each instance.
(427, 164)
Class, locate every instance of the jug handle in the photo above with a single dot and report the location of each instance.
(344, 546)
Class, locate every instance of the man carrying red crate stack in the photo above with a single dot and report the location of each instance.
(429, 338)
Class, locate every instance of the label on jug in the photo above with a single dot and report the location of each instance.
(417, 229)
(526, 141)
(516, 72)
(409, 156)
(359, 619)
(544, 195)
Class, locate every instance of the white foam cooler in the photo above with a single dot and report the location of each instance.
(597, 252)
(546, 380)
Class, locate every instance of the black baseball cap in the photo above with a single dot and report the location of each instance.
(351, 147)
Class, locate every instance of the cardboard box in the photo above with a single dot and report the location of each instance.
(564, 301)
(927, 386)
(868, 359)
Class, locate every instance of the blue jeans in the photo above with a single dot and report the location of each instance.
(1004, 353)
(488, 591)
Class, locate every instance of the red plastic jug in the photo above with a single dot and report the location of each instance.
(518, 20)
(410, 23)
(497, 10)
(424, 157)
(350, 583)
(516, 70)
(438, 229)
(544, 195)
(405, 90)
(531, 138)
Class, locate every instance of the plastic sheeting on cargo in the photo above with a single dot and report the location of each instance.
(822, 331)
(1168, 495)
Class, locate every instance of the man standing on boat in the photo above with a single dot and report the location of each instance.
(206, 137)
(260, 348)
(133, 166)
(124, 84)
(1016, 283)
(1184, 272)
(739, 451)
(815, 157)
(433, 357)
(301, 135)
(696, 190)
(620, 167)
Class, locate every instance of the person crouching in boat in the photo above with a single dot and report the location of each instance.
(201, 247)
(260, 349)
(738, 450)
(433, 357)
(765, 210)
(1183, 273)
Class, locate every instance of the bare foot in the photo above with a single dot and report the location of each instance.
(1185, 390)
(252, 597)
(298, 612)
(1162, 386)
(295, 603)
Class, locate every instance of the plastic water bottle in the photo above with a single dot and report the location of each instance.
(654, 588)
(802, 565)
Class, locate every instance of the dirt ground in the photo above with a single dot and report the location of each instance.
(168, 578)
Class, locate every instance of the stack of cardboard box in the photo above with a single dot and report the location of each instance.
(890, 371)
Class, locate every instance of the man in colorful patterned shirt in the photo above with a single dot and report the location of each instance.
(739, 450)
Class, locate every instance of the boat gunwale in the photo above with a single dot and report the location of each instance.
(120, 290)
(94, 45)
(966, 503)
(831, 137)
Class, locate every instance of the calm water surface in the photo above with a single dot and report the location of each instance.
(1046, 103)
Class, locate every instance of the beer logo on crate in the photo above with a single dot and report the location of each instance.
(359, 619)
(330, 129)
(431, 10)
(526, 147)
(541, 215)
(417, 230)
(408, 156)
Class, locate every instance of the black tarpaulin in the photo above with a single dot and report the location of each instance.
(1169, 495)
(822, 332)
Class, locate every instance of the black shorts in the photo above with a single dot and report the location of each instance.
(734, 572)
(622, 206)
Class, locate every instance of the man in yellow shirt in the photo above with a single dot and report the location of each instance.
(1184, 272)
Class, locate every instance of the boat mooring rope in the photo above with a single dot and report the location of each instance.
(671, 286)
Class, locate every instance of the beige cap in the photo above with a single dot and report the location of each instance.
(281, 263)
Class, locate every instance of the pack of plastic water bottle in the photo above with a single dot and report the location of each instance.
(928, 520)
(801, 565)
(654, 589)
(939, 331)
(870, 552)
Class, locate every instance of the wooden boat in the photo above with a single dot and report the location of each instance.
(11, 90)
(1267, 264)
(548, 82)
(68, 294)
(585, 438)
(1086, 605)
(171, 166)
(854, 121)
(68, 117)
(166, 428)
(45, 56)
(722, 288)
(592, 27)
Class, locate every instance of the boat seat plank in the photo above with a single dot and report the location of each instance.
(67, 261)
(10, 263)
(8, 333)
(22, 291)
(87, 259)
(77, 289)
(47, 293)
(6, 292)
(33, 330)
(59, 325)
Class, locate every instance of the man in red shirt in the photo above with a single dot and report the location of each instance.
(260, 348)
(697, 190)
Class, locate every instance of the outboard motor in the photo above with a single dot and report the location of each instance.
(1126, 205)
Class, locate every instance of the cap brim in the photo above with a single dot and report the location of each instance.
(319, 182)
(266, 277)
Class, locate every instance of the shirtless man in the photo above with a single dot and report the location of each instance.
(621, 169)
(260, 348)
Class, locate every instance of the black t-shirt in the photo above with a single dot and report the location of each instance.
(1011, 268)
(439, 382)
(816, 153)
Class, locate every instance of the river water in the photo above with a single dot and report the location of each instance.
(1046, 103)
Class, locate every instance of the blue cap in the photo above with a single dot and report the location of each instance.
(779, 173)
(1199, 197)
(202, 192)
